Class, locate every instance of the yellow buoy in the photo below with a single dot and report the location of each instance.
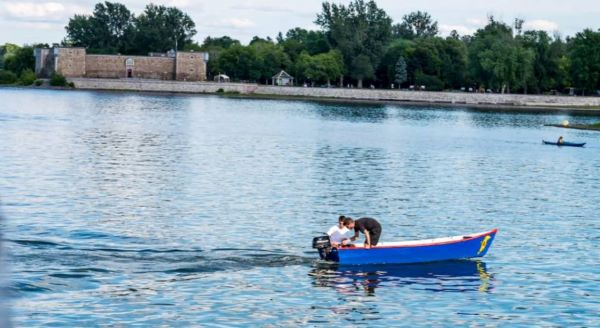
(565, 123)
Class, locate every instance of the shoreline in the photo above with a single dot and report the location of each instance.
(483, 102)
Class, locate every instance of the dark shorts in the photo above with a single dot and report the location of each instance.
(375, 234)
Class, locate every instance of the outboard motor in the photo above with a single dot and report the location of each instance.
(323, 245)
(321, 242)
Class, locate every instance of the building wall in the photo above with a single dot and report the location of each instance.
(74, 62)
(71, 61)
(110, 66)
(190, 66)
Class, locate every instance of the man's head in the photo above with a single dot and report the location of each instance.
(348, 223)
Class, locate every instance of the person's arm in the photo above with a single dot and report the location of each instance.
(367, 239)
(355, 237)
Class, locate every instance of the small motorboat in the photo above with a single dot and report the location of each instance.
(416, 251)
(566, 144)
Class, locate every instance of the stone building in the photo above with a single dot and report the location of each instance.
(75, 62)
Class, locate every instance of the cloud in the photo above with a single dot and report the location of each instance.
(235, 23)
(541, 24)
(477, 21)
(30, 10)
(40, 25)
(48, 12)
(178, 3)
(261, 8)
(445, 29)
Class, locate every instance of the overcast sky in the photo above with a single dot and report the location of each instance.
(28, 21)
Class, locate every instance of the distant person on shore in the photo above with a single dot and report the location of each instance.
(560, 140)
(337, 233)
(368, 226)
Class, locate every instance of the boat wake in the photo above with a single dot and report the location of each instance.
(75, 261)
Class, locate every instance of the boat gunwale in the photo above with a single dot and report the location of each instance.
(565, 144)
(477, 235)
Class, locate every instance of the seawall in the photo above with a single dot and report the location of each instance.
(430, 97)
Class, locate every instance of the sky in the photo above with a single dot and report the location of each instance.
(29, 21)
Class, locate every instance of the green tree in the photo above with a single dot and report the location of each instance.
(108, 30)
(301, 67)
(416, 25)
(223, 42)
(214, 47)
(498, 60)
(546, 68)
(242, 63)
(161, 28)
(559, 55)
(360, 31)
(298, 40)
(20, 59)
(7, 50)
(323, 67)
(524, 71)
(426, 58)
(431, 82)
(453, 54)
(584, 51)
(362, 69)
(401, 75)
(387, 68)
(270, 59)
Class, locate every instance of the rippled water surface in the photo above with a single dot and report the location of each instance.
(133, 209)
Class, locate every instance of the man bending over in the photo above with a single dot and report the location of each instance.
(368, 226)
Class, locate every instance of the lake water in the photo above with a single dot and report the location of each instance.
(137, 209)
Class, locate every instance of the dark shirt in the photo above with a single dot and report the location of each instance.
(368, 224)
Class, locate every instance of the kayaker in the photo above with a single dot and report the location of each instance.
(560, 140)
(337, 233)
(368, 226)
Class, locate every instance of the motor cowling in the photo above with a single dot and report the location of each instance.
(326, 251)
(321, 242)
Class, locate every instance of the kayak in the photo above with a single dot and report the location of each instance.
(416, 251)
(566, 144)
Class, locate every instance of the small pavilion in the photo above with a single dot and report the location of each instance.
(222, 78)
(282, 78)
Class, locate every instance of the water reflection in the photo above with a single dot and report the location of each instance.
(353, 112)
(448, 276)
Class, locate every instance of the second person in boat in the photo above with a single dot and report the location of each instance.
(368, 226)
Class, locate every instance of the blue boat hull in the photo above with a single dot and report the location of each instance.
(566, 144)
(454, 248)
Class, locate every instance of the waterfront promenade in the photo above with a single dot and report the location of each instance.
(586, 104)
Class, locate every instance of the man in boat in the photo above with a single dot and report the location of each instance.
(337, 233)
(368, 226)
(560, 140)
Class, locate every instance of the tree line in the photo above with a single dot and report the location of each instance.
(358, 44)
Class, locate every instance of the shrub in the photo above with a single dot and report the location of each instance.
(27, 77)
(37, 83)
(7, 77)
(431, 82)
(71, 85)
(220, 90)
(57, 80)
